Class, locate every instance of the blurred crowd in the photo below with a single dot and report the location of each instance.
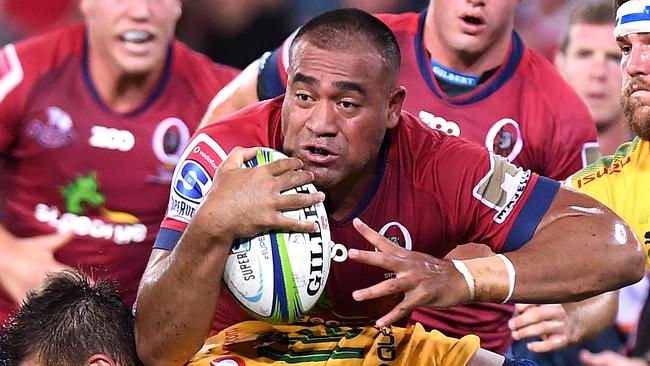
(236, 32)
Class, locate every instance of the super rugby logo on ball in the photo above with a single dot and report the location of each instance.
(277, 276)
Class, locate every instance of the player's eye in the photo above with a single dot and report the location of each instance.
(625, 49)
(302, 97)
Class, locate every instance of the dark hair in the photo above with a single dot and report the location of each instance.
(590, 12)
(618, 3)
(69, 320)
(345, 29)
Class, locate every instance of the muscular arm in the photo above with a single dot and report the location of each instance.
(179, 290)
(580, 249)
(239, 93)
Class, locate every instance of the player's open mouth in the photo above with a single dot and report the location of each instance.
(137, 37)
(317, 151)
(318, 154)
(473, 20)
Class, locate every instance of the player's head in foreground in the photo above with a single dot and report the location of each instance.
(342, 97)
(73, 322)
(632, 32)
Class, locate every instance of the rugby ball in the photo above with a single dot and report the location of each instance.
(277, 276)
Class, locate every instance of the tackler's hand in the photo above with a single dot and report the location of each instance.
(424, 280)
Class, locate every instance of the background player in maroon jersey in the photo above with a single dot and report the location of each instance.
(93, 118)
(468, 74)
(341, 118)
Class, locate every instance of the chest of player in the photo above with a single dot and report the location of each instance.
(69, 146)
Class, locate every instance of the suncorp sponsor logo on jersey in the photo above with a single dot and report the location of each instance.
(502, 187)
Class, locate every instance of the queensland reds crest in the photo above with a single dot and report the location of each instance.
(228, 361)
(168, 141)
(504, 138)
(398, 234)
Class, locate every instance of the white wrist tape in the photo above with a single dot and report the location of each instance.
(462, 268)
(511, 276)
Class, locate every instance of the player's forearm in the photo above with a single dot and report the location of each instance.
(598, 252)
(239, 93)
(176, 301)
(590, 317)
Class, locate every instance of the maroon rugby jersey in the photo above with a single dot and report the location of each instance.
(525, 111)
(431, 192)
(80, 167)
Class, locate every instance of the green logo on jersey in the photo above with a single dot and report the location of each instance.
(83, 189)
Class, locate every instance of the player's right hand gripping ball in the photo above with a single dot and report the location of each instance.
(278, 276)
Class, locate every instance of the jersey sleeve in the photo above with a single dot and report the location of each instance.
(13, 94)
(191, 182)
(272, 77)
(489, 200)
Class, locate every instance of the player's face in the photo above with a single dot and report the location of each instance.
(635, 63)
(590, 65)
(336, 111)
(472, 26)
(132, 34)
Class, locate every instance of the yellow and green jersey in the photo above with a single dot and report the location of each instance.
(255, 343)
(620, 182)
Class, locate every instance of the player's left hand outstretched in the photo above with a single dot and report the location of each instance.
(424, 280)
(550, 322)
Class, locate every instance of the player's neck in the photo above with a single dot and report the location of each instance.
(465, 62)
(345, 196)
(613, 134)
(120, 91)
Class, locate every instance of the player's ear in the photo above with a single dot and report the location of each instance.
(395, 102)
(100, 360)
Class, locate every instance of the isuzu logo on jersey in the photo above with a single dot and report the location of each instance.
(111, 138)
(502, 187)
(193, 177)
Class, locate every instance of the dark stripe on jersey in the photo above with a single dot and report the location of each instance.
(424, 63)
(269, 84)
(293, 356)
(531, 214)
(370, 193)
(156, 93)
(167, 239)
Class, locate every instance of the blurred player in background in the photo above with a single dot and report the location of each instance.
(467, 74)
(589, 60)
(430, 191)
(93, 118)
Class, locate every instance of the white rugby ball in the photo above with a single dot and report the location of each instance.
(277, 276)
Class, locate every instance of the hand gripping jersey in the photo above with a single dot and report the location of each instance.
(255, 343)
(525, 112)
(431, 192)
(77, 166)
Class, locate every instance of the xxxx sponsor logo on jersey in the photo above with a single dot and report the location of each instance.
(111, 138)
(193, 177)
(502, 187)
(440, 124)
(81, 196)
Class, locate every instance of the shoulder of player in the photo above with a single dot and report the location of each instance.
(544, 85)
(47, 49)
(403, 22)
(24, 63)
(259, 119)
(608, 168)
(196, 68)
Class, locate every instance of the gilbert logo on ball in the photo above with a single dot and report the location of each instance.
(277, 276)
